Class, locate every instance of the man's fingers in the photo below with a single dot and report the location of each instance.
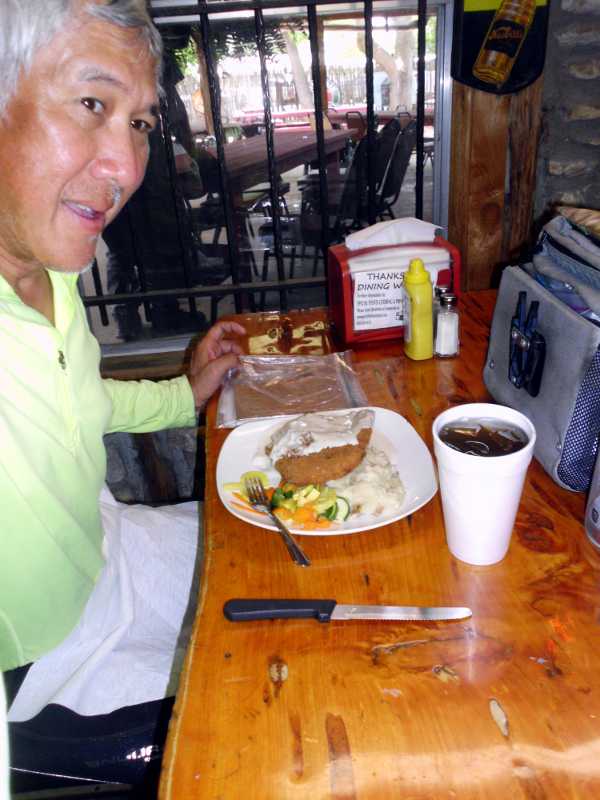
(218, 347)
(235, 327)
(230, 346)
(207, 380)
(221, 329)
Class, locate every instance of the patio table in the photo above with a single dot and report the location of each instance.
(338, 117)
(247, 161)
(505, 704)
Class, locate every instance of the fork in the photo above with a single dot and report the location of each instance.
(258, 499)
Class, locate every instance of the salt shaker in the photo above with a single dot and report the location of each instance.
(446, 334)
(438, 294)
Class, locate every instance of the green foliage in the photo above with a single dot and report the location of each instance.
(430, 34)
(187, 57)
(236, 38)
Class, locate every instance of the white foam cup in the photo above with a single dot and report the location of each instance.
(481, 495)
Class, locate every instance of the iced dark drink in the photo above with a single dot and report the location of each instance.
(483, 437)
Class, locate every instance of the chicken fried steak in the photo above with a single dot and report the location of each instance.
(316, 448)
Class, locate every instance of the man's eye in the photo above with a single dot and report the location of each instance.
(95, 106)
(142, 125)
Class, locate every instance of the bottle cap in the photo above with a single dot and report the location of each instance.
(416, 272)
(448, 300)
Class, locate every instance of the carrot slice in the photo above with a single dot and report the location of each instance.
(304, 514)
(246, 507)
(241, 499)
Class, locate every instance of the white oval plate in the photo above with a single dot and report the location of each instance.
(401, 443)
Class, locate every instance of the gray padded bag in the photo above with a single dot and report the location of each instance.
(566, 412)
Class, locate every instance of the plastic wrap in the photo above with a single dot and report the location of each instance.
(271, 386)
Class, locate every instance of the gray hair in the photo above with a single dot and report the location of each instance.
(27, 25)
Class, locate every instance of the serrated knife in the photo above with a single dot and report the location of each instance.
(243, 610)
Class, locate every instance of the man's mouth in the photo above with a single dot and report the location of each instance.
(114, 192)
(85, 211)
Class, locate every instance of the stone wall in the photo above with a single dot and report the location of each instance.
(156, 468)
(568, 169)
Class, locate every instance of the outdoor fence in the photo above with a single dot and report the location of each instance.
(221, 228)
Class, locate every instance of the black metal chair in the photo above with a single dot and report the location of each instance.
(358, 201)
(348, 198)
(345, 212)
(356, 123)
(210, 215)
(345, 202)
(390, 185)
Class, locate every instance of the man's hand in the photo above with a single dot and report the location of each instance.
(213, 357)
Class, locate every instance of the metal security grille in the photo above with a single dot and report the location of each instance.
(214, 254)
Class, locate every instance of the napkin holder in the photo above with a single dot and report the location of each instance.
(341, 288)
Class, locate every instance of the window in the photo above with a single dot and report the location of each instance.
(282, 129)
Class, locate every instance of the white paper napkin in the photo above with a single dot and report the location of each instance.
(434, 258)
(393, 231)
(129, 644)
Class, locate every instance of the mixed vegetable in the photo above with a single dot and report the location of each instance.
(311, 506)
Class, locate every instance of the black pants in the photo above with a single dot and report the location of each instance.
(60, 748)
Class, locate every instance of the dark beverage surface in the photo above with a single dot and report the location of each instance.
(483, 437)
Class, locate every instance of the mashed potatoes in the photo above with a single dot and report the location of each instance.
(374, 487)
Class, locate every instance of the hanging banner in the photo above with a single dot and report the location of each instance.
(499, 46)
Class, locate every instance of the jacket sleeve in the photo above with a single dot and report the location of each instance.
(143, 406)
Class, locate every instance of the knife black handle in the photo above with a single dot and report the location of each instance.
(242, 610)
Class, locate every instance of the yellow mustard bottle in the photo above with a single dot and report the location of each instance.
(418, 312)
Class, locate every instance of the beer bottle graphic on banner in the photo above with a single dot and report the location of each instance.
(504, 40)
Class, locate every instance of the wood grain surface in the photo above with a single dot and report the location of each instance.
(477, 181)
(247, 160)
(503, 705)
(525, 125)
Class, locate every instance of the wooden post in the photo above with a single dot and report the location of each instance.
(492, 179)
(524, 127)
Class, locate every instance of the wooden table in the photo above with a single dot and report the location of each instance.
(248, 166)
(247, 161)
(382, 118)
(503, 705)
(257, 115)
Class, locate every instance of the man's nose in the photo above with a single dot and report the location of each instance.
(121, 157)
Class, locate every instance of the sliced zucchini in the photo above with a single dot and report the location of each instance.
(330, 512)
(326, 500)
(343, 510)
(260, 476)
(303, 491)
(307, 494)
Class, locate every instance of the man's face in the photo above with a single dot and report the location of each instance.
(73, 145)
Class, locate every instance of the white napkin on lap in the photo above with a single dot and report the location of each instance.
(128, 646)
(393, 231)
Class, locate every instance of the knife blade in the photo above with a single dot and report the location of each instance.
(242, 610)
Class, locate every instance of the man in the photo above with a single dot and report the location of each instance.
(78, 100)
(151, 242)
(3, 746)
